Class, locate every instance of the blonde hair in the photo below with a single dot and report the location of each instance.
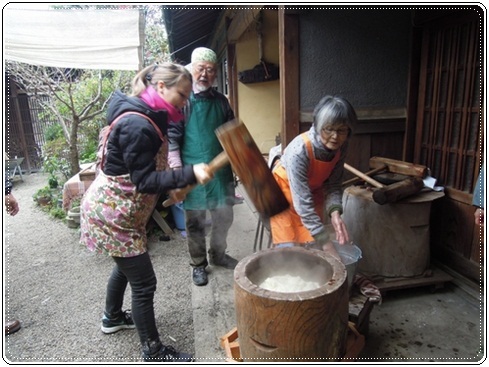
(167, 72)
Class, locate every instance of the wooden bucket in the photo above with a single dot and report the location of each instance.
(279, 326)
(250, 166)
(394, 238)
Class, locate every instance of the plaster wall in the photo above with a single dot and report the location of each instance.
(361, 54)
(259, 103)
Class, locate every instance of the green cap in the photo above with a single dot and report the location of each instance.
(204, 54)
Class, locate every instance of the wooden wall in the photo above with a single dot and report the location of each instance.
(455, 240)
(23, 134)
(379, 132)
(447, 120)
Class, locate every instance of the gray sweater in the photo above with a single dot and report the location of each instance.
(296, 162)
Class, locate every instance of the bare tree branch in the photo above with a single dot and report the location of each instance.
(94, 101)
(74, 98)
(59, 118)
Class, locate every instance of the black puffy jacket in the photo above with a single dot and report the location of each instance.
(8, 185)
(133, 144)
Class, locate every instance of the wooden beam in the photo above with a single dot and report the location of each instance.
(368, 114)
(232, 78)
(373, 120)
(218, 40)
(412, 95)
(288, 34)
(241, 21)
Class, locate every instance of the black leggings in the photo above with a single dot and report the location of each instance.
(138, 272)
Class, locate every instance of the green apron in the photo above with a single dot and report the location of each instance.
(201, 146)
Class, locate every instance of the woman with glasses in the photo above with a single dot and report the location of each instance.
(310, 174)
(117, 206)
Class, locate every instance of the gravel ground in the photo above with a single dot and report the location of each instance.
(56, 288)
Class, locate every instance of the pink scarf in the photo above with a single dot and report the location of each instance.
(156, 102)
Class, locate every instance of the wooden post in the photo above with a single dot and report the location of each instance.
(288, 37)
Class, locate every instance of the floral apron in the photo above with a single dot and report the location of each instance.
(287, 227)
(114, 215)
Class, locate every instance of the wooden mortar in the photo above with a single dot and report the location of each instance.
(301, 326)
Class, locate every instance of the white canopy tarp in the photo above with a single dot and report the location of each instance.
(82, 39)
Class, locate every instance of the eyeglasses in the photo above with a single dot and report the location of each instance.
(340, 132)
(201, 69)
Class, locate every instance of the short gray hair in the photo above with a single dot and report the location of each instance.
(334, 110)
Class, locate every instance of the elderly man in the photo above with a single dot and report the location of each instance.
(194, 140)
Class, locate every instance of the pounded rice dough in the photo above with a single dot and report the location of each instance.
(288, 284)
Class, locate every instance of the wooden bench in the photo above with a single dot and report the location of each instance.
(12, 167)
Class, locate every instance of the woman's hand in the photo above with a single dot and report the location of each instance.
(479, 216)
(329, 248)
(202, 174)
(11, 204)
(340, 228)
(178, 195)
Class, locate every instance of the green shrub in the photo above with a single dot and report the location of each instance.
(47, 199)
(56, 166)
(88, 153)
(44, 193)
(53, 182)
(57, 212)
(53, 132)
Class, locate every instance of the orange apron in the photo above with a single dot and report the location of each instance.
(287, 227)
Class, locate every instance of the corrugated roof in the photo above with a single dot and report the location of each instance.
(189, 27)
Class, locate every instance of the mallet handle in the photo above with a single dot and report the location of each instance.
(363, 176)
(216, 164)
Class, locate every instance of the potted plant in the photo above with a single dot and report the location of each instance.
(74, 212)
(43, 196)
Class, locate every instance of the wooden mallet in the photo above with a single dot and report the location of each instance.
(383, 194)
(249, 165)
